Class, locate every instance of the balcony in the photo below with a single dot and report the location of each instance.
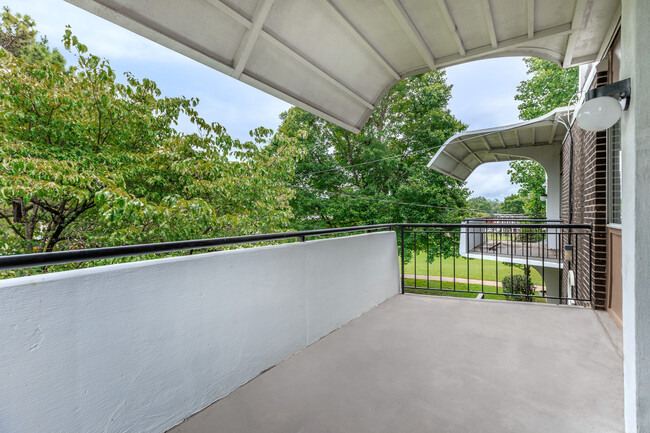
(314, 335)
(520, 240)
(425, 364)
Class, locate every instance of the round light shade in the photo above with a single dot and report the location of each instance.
(599, 113)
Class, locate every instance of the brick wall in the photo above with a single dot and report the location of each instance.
(589, 205)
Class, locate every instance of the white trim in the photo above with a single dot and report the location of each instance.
(451, 25)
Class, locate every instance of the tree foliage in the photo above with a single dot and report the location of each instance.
(514, 204)
(87, 161)
(483, 204)
(548, 88)
(18, 35)
(350, 179)
(530, 176)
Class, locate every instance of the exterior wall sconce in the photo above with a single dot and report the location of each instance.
(602, 107)
(568, 253)
(543, 197)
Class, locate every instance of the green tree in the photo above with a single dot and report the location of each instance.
(530, 176)
(18, 35)
(548, 88)
(483, 204)
(86, 161)
(355, 179)
(514, 204)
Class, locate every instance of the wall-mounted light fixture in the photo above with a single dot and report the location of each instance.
(602, 107)
(568, 253)
(543, 197)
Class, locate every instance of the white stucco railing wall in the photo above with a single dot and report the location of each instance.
(470, 238)
(139, 347)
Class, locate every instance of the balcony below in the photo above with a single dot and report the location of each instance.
(424, 363)
(534, 254)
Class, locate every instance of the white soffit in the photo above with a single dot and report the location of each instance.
(464, 152)
(337, 58)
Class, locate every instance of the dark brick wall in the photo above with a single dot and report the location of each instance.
(589, 205)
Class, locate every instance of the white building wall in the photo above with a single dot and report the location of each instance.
(139, 347)
(635, 145)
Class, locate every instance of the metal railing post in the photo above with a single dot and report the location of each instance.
(403, 249)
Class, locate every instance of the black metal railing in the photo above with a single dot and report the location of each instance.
(543, 257)
(89, 254)
(538, 260)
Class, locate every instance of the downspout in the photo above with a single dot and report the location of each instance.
(570, 177)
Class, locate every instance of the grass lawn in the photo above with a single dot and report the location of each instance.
(459, 286)
(490, 269)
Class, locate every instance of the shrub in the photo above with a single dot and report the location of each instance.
(519, 285)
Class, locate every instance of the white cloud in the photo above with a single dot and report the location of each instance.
(483, 92)
(492, 181)
(102, 37)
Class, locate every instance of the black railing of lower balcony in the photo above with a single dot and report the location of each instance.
(526, 261)
(466, 248)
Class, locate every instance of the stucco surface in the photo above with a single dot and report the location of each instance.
(140, 347)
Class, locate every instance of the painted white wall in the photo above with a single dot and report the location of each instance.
(635, 145)
(139, 347)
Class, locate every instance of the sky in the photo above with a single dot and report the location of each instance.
(482, 94)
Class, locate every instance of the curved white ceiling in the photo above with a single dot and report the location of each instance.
(337, 58)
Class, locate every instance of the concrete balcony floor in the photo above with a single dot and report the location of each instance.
(434, 364)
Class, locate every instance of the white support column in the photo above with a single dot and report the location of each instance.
(635, 144)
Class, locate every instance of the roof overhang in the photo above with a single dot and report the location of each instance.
(464, 152)
(337, 58)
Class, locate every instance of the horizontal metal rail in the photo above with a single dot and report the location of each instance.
(88, 254)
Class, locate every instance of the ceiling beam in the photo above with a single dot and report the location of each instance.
(613, 26)
(489, 21)
(503, 143)
(250, 38)
(534, 130)
(354, 31)
(298, 101)
(451, 25)
(312, 66)
(517, 137)
(487, 143)
(505, 45)
(458, 161)
(404, 20)
(471, 152)
(317, 69)
(531, 19)
(231, 13)
(576, 24)
(551, 139)
(478, 158)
